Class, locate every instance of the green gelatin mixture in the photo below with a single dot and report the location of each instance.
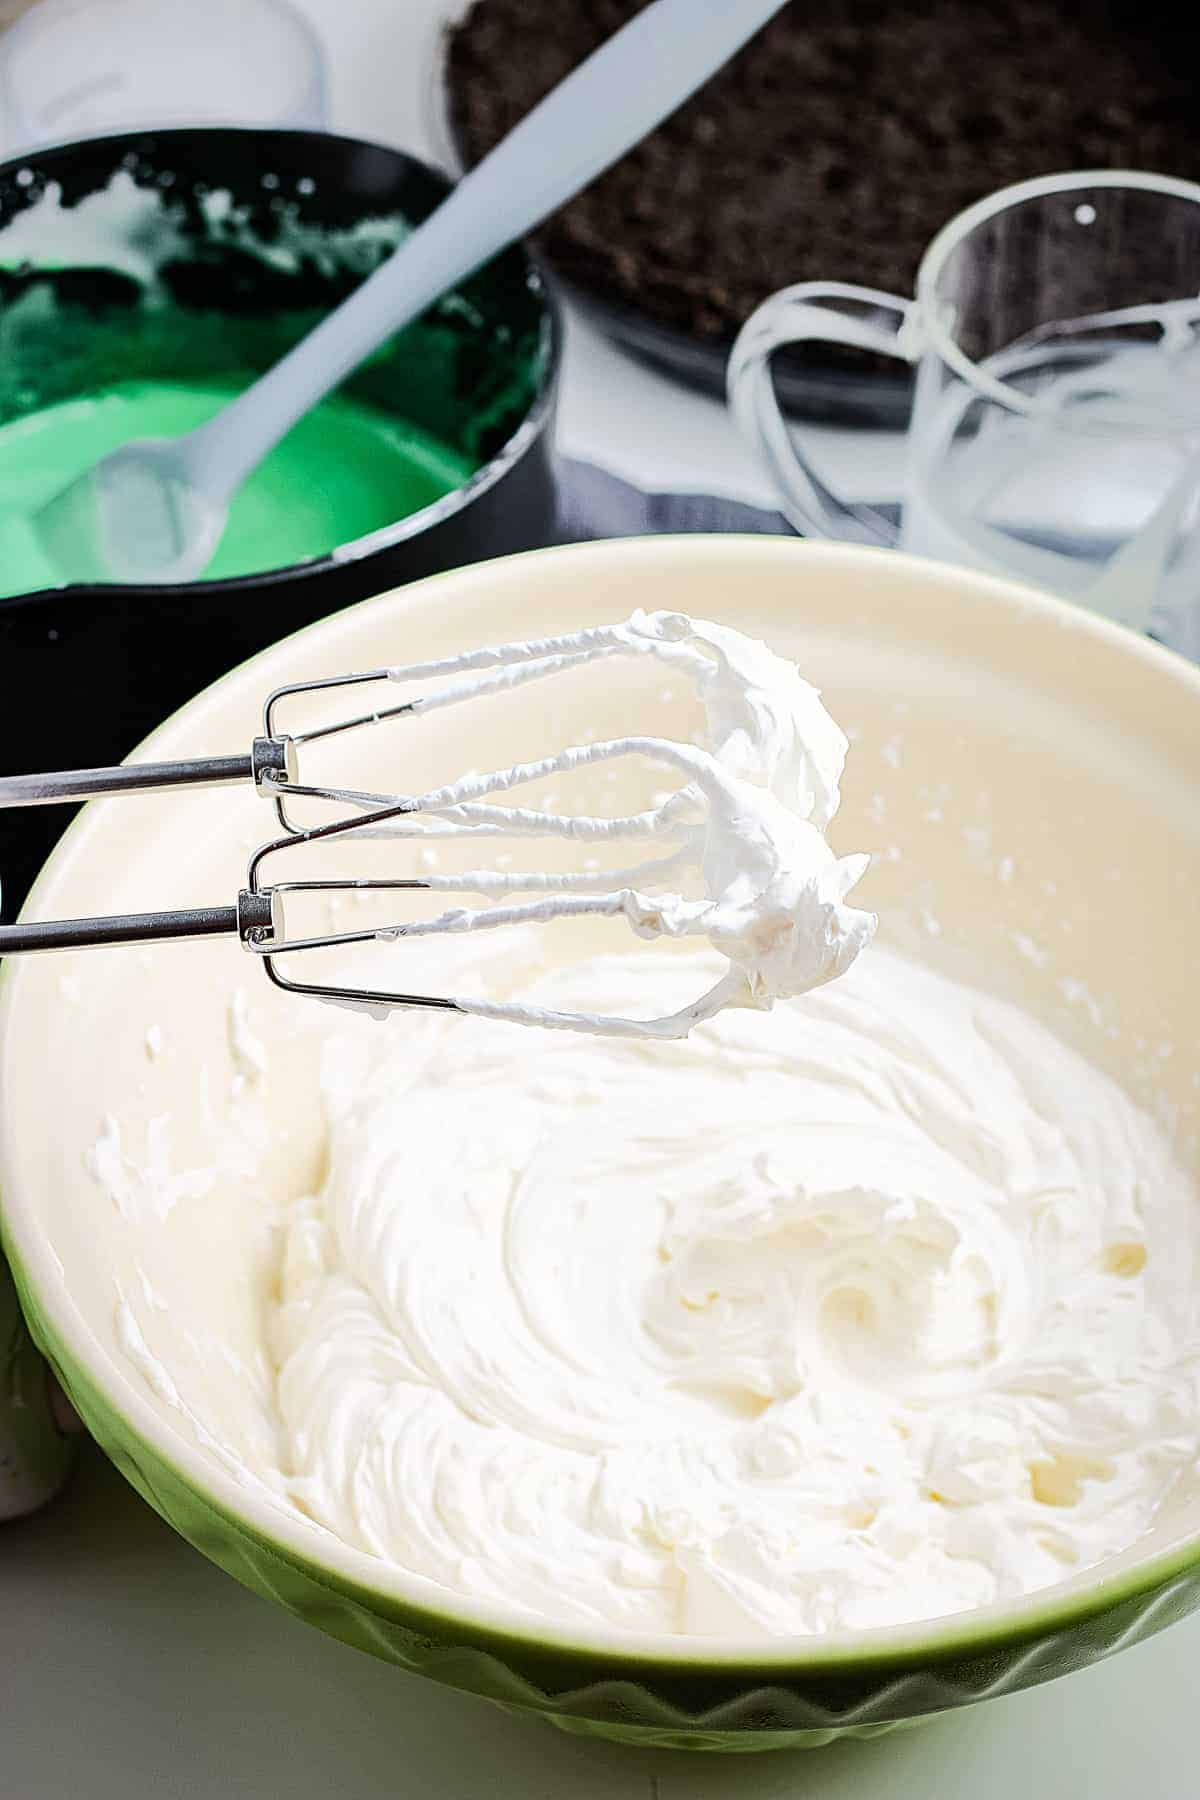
(345, 470)
(140, 308)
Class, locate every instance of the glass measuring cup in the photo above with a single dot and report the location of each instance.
(1055, 432)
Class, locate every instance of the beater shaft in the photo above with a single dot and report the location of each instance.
(267, 760)
(253, 912)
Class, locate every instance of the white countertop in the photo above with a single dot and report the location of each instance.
(129, 1665)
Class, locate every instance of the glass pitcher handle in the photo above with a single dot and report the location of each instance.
(830, 312)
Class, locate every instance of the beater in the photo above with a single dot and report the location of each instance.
(743, 862)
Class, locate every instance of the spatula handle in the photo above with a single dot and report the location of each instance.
(604, 107)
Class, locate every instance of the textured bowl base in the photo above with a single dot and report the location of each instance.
(650, 1737)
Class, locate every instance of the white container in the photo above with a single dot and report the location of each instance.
(78, 68)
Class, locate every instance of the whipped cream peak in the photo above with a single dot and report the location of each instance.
(742, 857)
(765, 722)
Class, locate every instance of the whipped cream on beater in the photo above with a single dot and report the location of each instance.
(744, 864)
(875, 1308)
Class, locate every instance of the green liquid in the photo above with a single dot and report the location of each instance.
(345, 470)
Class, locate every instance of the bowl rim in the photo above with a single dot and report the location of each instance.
(385, 1588)
(513, 451)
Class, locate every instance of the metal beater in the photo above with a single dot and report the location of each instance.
(643, 893)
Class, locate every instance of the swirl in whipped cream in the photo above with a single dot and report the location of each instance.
(880, 1306)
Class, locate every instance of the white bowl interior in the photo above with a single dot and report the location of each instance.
(1024, 775)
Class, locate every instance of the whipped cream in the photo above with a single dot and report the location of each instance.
(744, 861)
(878, 1307)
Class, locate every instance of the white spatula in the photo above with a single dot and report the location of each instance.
(154, 510)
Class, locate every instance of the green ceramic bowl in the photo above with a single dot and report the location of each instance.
(150, 1305)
